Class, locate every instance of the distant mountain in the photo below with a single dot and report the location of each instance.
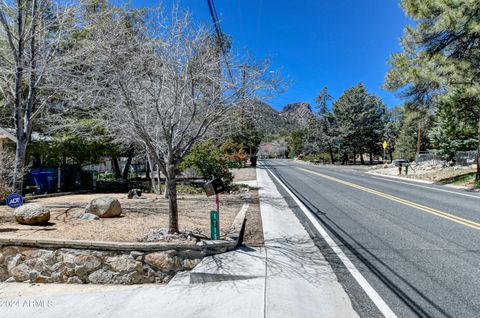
(299, 112)
(292, 116)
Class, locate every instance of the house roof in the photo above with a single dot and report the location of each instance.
(9, 133)
(5, 135)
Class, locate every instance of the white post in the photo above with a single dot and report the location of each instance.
(59, 179)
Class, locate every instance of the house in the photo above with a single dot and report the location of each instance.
(6, 138)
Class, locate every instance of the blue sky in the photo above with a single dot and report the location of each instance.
(334, 43)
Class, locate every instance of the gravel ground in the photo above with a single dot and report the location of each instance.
(139, 216)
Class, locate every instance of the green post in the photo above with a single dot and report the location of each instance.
(214, 225)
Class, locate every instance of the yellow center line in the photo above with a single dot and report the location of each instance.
(427, 209)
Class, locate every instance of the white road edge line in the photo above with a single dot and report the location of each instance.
(422, 186)
(372, 294)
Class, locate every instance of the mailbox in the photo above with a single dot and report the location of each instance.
(213, 187)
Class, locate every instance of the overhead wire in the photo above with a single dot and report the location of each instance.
(218, 30)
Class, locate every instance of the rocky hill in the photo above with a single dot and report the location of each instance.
(291, 117)
(298, 112)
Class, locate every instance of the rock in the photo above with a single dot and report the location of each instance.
(47, 256)
(135, 254)
(104, 207)
(123, 265)
(10, 250)
(164, 261)
(89, 217)
(134, 194)
(20, 273)
(101, 276)
(41, 279)
(87, 263)
(74, 280)
(190, 263)
(14, 261)
(32, 213)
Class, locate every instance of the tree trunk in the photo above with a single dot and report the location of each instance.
(419, 138)
(126, 169)
(477, 176)
(371, 157)
(354, 156)
(390, 152)
(159, 182)
(332, 157)
(149, 172)
(172, 199)
(362, 161)
(20, 159)
(116, 167)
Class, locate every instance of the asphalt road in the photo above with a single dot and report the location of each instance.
(417, 245)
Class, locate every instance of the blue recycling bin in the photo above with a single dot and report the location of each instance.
(44, 178)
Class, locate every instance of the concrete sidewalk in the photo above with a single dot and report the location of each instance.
(288, 277)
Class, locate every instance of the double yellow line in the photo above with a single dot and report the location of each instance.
(423, 208)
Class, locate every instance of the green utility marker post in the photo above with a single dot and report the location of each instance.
(214, 225)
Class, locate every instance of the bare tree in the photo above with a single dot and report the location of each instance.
(162, 81)
(31, 33)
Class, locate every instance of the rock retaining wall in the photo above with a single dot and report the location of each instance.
(64, 265)
(59, 261)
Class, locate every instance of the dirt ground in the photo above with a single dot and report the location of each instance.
(139, 216)
(444, 176)
(244, 174)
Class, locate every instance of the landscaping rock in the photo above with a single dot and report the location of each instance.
(134, 194)
(104, 207)
(89, 217)
(31, 214)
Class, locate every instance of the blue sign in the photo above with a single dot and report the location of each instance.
(14, 200)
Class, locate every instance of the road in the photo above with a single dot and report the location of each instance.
(417, 245)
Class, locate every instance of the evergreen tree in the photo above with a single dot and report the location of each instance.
(413, 120)
(440, 57)
(360, 119)
(454, 131)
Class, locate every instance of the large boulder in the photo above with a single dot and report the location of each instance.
(32, 213)
(104, 207)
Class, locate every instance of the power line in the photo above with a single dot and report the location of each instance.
(216, 24)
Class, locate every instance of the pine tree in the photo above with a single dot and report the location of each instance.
(440, 57)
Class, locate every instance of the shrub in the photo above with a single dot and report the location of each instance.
(210, 161)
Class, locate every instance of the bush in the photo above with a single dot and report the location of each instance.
(233, 154)
(189, 189)
(211, 161)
